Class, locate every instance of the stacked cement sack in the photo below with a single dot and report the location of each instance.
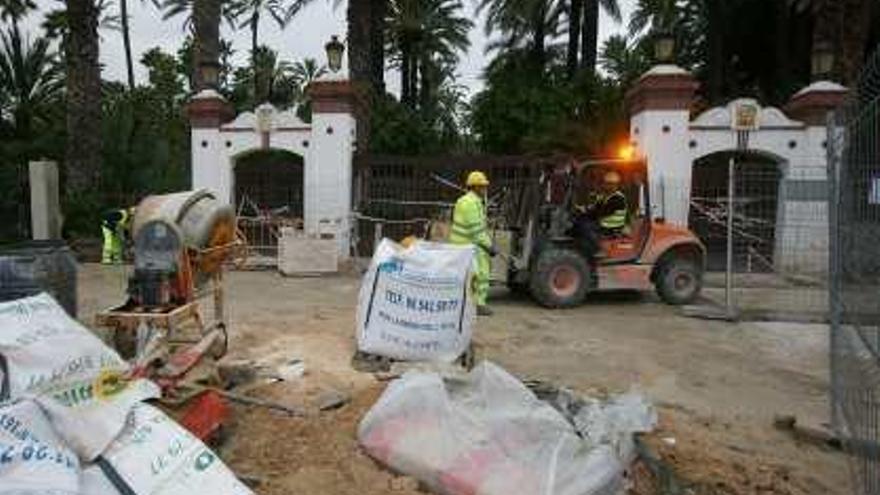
(72, 422)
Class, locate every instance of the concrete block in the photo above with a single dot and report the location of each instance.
(46, 216)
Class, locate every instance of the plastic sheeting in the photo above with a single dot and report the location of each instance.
(488, 434)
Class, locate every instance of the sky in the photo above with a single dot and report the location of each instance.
(304, 37)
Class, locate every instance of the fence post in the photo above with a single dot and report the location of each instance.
(834, 269)
(728, 274)
(45, 203)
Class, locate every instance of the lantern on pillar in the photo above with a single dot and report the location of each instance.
(210, 74)
(822, 60)
(664, 47)
(334, 49)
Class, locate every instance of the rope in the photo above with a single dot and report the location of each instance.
(367, 218)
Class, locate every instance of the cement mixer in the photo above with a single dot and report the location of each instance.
(181, 244)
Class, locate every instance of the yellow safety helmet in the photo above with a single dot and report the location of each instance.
(612, 177)
(477, 178)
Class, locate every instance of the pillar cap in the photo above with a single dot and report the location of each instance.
(812, 104)
(664, 87)
(208, 109)
(336, 95)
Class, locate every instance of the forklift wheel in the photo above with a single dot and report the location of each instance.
(679, 280)
(560, 278)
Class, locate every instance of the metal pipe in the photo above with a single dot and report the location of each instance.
(728, 276)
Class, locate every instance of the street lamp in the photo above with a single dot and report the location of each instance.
(822, 60)
(334, 49)
(664, 47)
(210, 74)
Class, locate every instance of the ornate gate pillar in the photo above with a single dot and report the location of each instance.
(659, 105)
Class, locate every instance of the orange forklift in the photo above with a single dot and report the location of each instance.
(542, 254)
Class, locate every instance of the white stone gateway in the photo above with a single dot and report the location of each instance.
(662, 129)
(326, 146)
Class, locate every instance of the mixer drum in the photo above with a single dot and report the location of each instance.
(203, 221)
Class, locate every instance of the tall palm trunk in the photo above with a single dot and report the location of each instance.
(379, 10)
(575, 13)
(126, 43)
(206, 37)
(83, 154)
(539, 30)
(715, 44)
(255, 27)
(782, 57)
(854, 33)
(359, 20)
(405, 76)
(590, 35)
(413, 80)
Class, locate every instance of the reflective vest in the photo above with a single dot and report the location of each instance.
(616, 219)
(469, 222)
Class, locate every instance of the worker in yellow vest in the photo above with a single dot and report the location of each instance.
(469, 227)
(605, 213)
(115, 225)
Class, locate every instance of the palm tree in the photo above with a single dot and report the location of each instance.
(83, 157)
(366, 20)
(658, 15)
(846, 24)
(306, 71)
(590, 29)
(273, 81)
(14, 10)
(575, 14)
(252, 11)
(31, 80)
(421, 32)
(523, 23)
(55, 22)
(624, 61)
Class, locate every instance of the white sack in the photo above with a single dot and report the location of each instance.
(33, 460)
(76, 378)
(488, 434)
(156, 456)
(415, 303)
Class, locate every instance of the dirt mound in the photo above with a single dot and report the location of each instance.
(316, 454)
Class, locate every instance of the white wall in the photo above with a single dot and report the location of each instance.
(669, 163)
(328, 175)
(802, 221)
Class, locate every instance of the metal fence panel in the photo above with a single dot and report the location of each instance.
(855, 277)
(398, 196)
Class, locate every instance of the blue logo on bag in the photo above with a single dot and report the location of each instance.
(391, 266)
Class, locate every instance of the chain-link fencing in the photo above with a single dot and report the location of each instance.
(854, 176)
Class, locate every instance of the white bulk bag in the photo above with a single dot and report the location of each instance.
(156, 456)
(33, 460)
(78, 380)
(415, 303)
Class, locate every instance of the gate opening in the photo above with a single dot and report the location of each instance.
(268, 196)
(756, 209)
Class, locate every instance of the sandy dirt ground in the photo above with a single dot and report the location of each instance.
(717, 385)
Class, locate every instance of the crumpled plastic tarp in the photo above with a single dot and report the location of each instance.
(489, 434)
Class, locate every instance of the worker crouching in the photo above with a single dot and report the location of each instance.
(114, 226)
(469, 227)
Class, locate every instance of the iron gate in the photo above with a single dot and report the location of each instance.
(854, 173)
(398, 196)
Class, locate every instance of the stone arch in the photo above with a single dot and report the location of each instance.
(759, 203)
(269, 179)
